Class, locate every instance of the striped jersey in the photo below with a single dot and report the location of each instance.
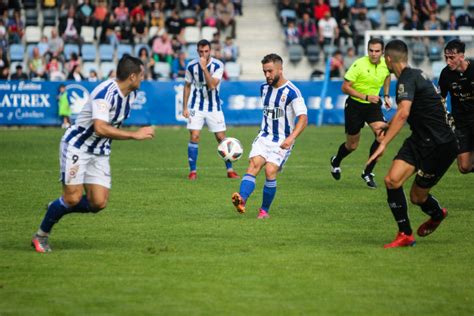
(281, 106)
(105, 103)
(201, 98)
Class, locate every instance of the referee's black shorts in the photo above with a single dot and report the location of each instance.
(356, 114)
(465, 136)
(431, 163)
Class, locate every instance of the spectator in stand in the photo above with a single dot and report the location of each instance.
(54, 69)
(292, 35)
(100, 14)
(111, 75)
(307, 31)
(336, 68)
(358, 8)
(238, 7)
(122, 15)
(162, 49)
(342, 15)
(55, 45)
(4, 65)
(225, 16)
(424, 8)
(70, 27)
(148, 63)
(361, 25)
(413, 23)
(451, 25)
(178, 68)
(139, 29)
(157, 16)
(93, 77)
(19, 74)
(109, 36)
(37, 65)
(350, 57)
(137, 10)
(306, 6)
(174, 25)
(85, 13)
(76, 74)
(285, 5)
(15, 28)
(43, 46)
(216, 42)
(230, 51)
(3, 28)
(73, 61)
(433, 24)
(320, 9)
(210, 15)
(328, 30)
(177, 45)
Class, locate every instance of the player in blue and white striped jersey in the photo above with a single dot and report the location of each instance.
(202, 104)
(85, 148)
(282, 105)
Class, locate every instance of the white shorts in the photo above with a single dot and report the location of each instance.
(270, 150)
(214, 120)
(79, 167)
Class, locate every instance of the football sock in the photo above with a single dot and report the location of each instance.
(247, 186)
(342, 153)
(269, 191)
(398, 204)
(370, 167)
(192, 155)
(56, 210)
(228, 165)
(432, 208)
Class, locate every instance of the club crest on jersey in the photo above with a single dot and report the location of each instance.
(401, 91)
(273, 113)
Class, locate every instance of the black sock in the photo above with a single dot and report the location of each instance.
(432, 208)
(342, 153)
(370, 167)
(398, 204)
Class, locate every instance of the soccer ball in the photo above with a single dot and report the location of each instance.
(230, 149)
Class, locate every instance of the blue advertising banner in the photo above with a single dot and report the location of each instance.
(160, 103)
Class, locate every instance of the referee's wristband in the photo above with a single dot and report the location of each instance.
(386, 95)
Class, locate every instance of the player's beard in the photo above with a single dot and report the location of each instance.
(274, 81)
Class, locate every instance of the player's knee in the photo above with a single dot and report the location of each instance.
(417, 199)
(465, 168)
(72, 199)
(352, 146)
(391, 183)
(97, 206)
(195, 138)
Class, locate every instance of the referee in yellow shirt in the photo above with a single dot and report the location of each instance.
(362, 83)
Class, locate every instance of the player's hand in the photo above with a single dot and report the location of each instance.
(373, 99)
(287, 143)
(147, 132)
(377, 154)
(203, 62)
(388, 102)
(186, 113)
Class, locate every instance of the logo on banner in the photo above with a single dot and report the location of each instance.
(178, 103)
(139, 101)
(78, 97)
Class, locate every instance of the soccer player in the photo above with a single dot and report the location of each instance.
(457, 78)
(362, 82)
(429, 151)
(203, 77)
(282, 104)
(85, 148)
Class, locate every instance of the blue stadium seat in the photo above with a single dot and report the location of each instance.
(106, 52)
(287, 15)
(434, 52)
(137, 48)
(49, 17)
(375, 16)
(436, 68)
(123, 49)
(89, 52)
(69, 49)
(313, 53)
(295, 53)
(88, 66)
(457, 4)
(17, 52)
(419, 53)
(371, 4)
(191, 51)
(392, 17)
(441, 3)
(31, 17)
(29, 50)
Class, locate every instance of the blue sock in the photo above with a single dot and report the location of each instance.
(269, 191)
(247, 186)
(56, 210)
(192, 155)
(228, 165)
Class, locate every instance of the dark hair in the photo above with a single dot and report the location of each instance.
(272, 58)
(375, 40)
(455, 45)
(203, 43)
(128, 65)
(397, 49)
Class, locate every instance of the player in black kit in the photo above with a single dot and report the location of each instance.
(457, 78)
(428, 151)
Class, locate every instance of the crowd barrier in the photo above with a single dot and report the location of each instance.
(34, 103)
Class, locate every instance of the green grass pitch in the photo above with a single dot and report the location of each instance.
(168, 246)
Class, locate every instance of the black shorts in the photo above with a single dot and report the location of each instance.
(465, 136)
(356, 114)
(431, 163)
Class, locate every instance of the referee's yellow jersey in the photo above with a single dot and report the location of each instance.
(366, 77)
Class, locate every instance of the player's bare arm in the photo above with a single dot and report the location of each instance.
(186, 92)
(386, 91)
(300, 126)
(104, 129)
(348, 89)
(396, 124)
